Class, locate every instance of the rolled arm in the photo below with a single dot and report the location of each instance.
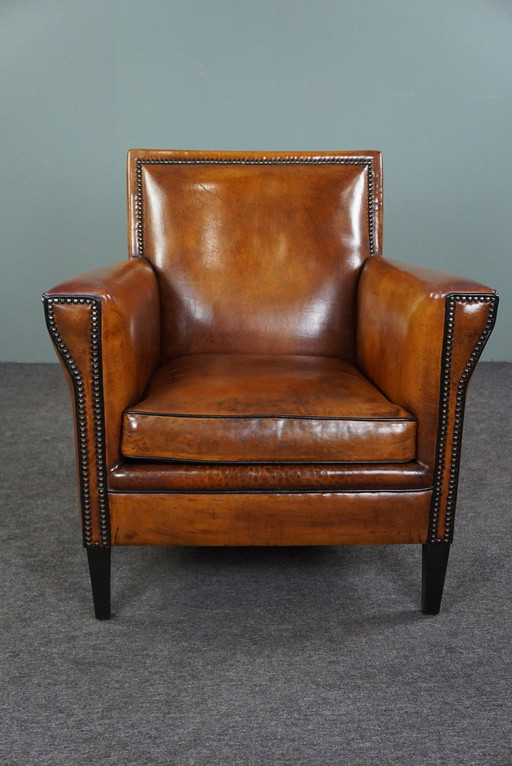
(105, 326)
(420, 334)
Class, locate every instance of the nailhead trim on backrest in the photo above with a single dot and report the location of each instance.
(290, 160)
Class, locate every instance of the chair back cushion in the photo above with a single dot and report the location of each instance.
(256, 252)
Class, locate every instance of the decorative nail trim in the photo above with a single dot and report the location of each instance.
(288, 160)
(83, 402)
(444, 412)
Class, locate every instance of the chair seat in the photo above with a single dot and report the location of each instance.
(266, 408)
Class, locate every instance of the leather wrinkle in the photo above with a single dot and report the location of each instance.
(141, 475)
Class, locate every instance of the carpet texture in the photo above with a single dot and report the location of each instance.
(217, 657)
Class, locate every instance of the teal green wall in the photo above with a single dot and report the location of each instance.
(428, 82)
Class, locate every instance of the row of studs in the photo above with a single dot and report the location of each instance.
(291, 160)
(452, 300)
(81, 405)
(330, 159)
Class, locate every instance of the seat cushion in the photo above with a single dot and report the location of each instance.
(265, 408)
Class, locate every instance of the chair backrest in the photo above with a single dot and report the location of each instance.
(256, 252)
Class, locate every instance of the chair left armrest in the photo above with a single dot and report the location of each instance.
(420, 334)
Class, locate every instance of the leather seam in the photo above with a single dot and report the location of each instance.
(265, 462)
(266, 491)
(268, 417)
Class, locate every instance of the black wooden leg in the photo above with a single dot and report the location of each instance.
(435, 561)
(99, 569)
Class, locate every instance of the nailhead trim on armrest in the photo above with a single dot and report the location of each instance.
(81, 404)
(453, 468)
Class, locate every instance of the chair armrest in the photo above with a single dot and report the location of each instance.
(419, 336)
(105, 326)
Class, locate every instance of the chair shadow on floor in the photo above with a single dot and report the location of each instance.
(318, 588)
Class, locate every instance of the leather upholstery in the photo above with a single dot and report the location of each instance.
(420, 334)
(275, 518)
(224, 238)
(160, 477)
(107, 355)
(255, 286)
(266, 408)
(401, 323)
(130, 335)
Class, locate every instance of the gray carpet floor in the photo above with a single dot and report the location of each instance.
(217, 657)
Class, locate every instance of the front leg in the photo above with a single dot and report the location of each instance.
(99, 570)
(435, 561)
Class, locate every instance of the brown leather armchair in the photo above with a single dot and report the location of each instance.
(257, 374)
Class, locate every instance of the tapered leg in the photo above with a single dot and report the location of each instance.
(99, 569)
(435, 561)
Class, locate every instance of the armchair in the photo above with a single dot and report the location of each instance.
(257, 374)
